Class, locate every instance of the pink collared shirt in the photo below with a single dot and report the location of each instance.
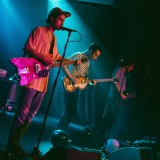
(40, 40)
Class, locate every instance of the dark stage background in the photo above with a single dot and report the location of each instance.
(125, 29)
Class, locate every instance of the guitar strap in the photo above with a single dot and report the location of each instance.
(87, 69)
(52, 45)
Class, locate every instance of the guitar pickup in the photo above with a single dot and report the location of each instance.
(24, 70)
(37, 67)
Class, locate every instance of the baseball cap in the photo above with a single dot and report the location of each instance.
(57, 11)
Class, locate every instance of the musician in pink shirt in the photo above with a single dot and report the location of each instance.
(41, 45)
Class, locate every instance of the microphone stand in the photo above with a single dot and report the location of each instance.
(36, 153)
(103, 149)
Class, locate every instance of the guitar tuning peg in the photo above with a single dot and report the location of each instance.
(115, 79)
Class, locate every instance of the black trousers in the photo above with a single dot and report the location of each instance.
(71, 103)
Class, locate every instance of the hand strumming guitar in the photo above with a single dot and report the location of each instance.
(75, 80)
(78, 62)
(123, 97)
(48, 59)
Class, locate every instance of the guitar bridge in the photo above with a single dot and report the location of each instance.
(37, 68)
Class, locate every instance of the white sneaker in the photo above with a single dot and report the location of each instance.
(69, 141)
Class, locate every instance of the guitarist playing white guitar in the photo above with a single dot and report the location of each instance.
(73, 74)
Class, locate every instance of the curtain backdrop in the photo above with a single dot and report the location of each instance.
(124, 29)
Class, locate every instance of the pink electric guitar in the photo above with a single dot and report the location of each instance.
(30, 68)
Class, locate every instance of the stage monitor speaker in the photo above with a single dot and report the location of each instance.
(132, 153)
(83, 154)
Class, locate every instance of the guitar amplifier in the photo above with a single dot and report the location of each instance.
(132, 153)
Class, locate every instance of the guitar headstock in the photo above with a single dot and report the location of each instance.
(115, 79)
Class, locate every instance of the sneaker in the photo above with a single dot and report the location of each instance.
(69, 141)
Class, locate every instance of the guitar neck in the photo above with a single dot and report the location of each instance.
(105, 80)
(63, 63)
(67, 62)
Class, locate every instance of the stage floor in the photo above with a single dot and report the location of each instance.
(30, 138)
(86, 144)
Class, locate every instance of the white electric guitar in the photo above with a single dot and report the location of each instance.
(71, 86)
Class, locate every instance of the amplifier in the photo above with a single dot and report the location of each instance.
(10, 94)
(132, 153)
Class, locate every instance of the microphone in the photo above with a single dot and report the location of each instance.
(67, 29)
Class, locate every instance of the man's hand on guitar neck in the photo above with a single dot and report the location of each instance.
(93, 82)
